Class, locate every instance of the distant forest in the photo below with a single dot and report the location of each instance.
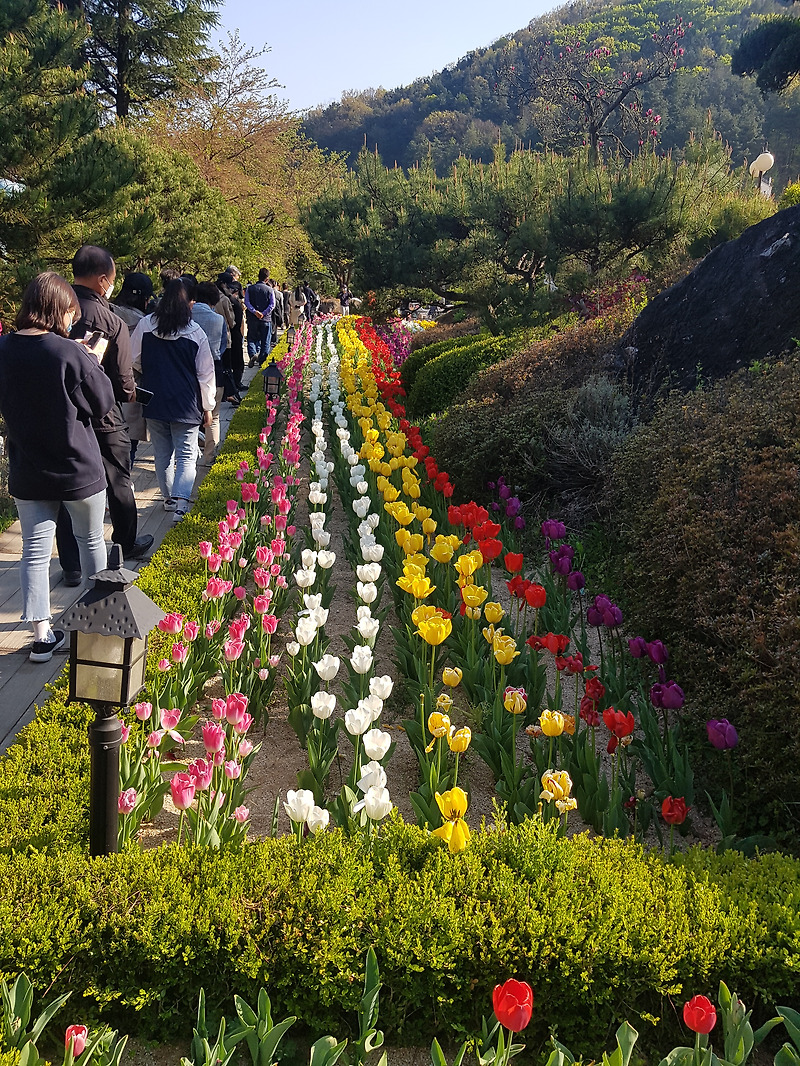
(463, 110)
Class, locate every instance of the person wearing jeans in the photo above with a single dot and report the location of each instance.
(259, 299)
(51, 390)
(172, 354)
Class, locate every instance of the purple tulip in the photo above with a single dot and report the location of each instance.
(513, 507)
(612, 616)
(668, 695)
(593, 616)
(576, 581)
(519, 523)
(722, 734)
(637, 646)
(491, 485)
(503, 492)
(657, 652)
(553, 530)
(495, 506)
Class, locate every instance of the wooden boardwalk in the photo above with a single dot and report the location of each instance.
(22, 683)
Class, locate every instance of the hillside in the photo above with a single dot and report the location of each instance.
(460, 110)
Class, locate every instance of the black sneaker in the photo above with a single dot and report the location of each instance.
(141, 547)
(72, 578)
(42, 650)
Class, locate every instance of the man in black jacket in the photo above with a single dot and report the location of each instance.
(94, 272)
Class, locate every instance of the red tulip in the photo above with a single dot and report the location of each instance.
(699, 1013)
(77, 1034)
(621, 725)
(674, 812)
(514, 561)
(535, 596)
(513, 1004)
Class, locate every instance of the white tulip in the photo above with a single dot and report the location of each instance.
(327, 667)
(362, 488)
(374, 704)
(373, 775)
(308, 559)
(326, 559)
(365, 532)
(368, 629)
(357, 721)
(377, 803)
(323, 704)
(368, 592)
(321, 538)
(341, 432)
(353, 458)
(361, 506)
(317, 498)
(373, 521)
(381, 686)
(312, 600)
(318, 820)
(305, 578)
(361, 659)
(368, 572)
(305, 631)
(317, 519)
(293, 648)
(298, 805)
(363, 612)
(376, 743)
(372, 553)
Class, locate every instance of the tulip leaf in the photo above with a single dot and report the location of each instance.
(787, 1056)
(791, 1019)
(679, 1056)
(29, 1056)
(326, 1051)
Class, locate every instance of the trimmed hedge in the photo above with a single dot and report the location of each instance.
(420, 356)
(439, 381)
(601, 930)
(44, 775)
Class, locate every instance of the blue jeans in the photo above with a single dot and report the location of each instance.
(38, 521)
(260, 345)
(175, 454)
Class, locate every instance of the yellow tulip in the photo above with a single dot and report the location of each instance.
(451, 676)
(413, 491)
(401, 536)
(458, 739)
(428, 526)
(390, 493)
(423, 613)
(490, 633)
(441, 551)
(414, 543)
(505, 649)
(467, 564)
(493, 612)
(421, 513)
(419, 587)
(556, 785)
(515, 702)
(453, 807)
(444, 703)
(438, 724)
(473, 612)
(419, 560)
(552, 723)
(569, 725)
(435, 630)
(474, 595)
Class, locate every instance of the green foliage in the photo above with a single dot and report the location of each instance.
(791, 196)
(441, 379)
(709, 512)
(772, 52)
(418, 358)
(135, 935)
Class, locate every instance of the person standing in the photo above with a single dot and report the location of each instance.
(129, 305)
(173, 356)
(228, 283)
(277, 313)
(95, 273)
(344, 299)
(298, 307)
(51, 391)
(214, 326)
(259, 300)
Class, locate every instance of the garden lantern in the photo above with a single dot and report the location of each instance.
(291, 333)
(272, 382)
(758, 169)
(107, 658)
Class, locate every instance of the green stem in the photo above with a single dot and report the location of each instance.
(180, 827)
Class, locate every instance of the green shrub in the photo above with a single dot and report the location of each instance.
(790, 196)
(707, 502)
(420, 356)
(599, 928)
(442, 378)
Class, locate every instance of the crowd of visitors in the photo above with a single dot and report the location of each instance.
(85, 378)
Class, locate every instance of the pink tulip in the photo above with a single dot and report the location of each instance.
(241, 814)
(269, 623)
(143, 711)
(170, 718)
(218, 708)
(240, 592)
(191, 631)
(214, 562)
(232, 769)
(126, 801)
(155, 738)
(163, 665)
(213, 737)
(274, 660)
(201, 771)
(233, 521)
(278, 547)
(182, 787)
(280, 522)
(214, 589)
(126, 732)
(291, 530)
(260, 604)
(77, 1036)
(235, 707)
(212, 628)
(281, 582)
(235, 539)
(243, 724)
(227, 553)
(218, 757)
(205, 547)
(245, 748)
(172, 623)
(263, 554)
(242, 562)
(275, 569)
(232, 506)
(249, 492)
(263, 675)
(180, 653)
(265, 521)
(261, 577)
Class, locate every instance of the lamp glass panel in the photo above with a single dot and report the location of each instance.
(101, 648)
(137, 669)
(101, 683)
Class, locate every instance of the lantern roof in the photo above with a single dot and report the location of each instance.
(115, 607)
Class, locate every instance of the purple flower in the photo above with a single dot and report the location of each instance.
(722, 734)
(513, 507)
(637, 646)
(612, 616)
(553, 530)
(576, 581)
(668, 695)
(593, 616)
(495, 506)
(519, 522)
(657, 652)
(503, 491)
(491, 485)
(561, 559)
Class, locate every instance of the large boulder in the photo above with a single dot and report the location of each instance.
(740, 304)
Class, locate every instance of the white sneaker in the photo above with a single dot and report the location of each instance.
(178, 517)
(170, 504)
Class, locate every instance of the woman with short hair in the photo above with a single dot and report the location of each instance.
(172, 354)
(50, 389)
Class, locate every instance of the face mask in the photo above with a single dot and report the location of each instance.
(109, 291)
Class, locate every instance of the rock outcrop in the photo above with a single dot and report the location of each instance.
(741, 303)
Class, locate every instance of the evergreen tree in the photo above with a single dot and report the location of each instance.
(144, 50)
(771, 52)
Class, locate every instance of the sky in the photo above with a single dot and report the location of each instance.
(320, 50)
